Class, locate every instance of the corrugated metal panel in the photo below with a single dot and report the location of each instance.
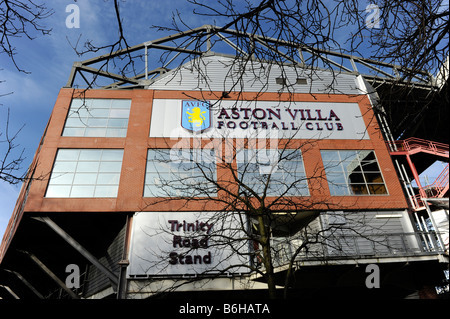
(221, 73)
(96, 281)
(372, 222)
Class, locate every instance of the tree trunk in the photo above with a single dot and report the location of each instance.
(267, 257)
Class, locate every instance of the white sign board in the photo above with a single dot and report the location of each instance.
(187, 243)
(258, 119)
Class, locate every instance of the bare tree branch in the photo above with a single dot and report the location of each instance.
(20, 19)
(10, 163)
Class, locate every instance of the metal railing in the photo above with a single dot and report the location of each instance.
(440, 186)
(358, 247)
(414, 145)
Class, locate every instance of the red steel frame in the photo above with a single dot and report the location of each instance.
(413, 146)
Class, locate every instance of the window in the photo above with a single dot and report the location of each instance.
(85, 173)
(282, 170)
(180, 172)
(281, 81)
(353, 173)
(98, 118)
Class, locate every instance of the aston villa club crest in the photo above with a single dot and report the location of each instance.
(195, 115)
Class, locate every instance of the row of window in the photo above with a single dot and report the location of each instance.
(85, 173)
(97, 118)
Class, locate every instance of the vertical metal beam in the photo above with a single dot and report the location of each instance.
(50, 274)
(416, 176)
(355, 68)
(430, 240)
(73, 73)
(208, 38)
(79, 248)
(302, 58)
(430, 215)
(146, 61)
(122, 286)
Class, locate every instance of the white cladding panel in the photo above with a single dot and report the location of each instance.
(220, 73)
(187, 243)
(262, 119)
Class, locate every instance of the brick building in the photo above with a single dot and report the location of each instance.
(110, 198)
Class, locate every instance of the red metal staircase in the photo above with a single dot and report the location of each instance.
(412, 146)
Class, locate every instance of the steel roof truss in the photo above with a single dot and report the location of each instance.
(26, 283)
(49, 273)
(83, 251)
(208, 31)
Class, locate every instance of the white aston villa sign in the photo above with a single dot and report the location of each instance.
(248, 119)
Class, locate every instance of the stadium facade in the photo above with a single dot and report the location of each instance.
(117, 205)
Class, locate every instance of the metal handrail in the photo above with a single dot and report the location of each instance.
(440, 185)
(357, 246)
(416, 144)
